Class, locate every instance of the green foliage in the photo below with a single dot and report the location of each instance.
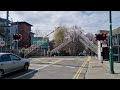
(59, 35)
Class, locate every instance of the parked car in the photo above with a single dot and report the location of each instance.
(10, 62)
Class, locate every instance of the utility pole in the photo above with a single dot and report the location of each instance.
(17, 33)
(111, 48)
(6, 39)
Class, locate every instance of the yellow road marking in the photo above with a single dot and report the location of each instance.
(57, 61)
(78, 71)
(36, 69)
(77, 75)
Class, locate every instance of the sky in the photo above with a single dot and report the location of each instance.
(45, 21)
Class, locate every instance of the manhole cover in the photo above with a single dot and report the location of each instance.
(96, 66)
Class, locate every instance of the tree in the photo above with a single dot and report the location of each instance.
(91, 37)
(51, 44)
(59, 35)
(2, 29)
(75, 46)
(63, 34)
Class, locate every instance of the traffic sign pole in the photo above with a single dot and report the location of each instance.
(111, 48)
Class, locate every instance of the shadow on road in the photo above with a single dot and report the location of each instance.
(26, 74)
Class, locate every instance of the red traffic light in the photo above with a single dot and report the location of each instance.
(17, 36)
(101, 36)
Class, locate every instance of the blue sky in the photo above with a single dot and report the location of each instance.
(46, 21)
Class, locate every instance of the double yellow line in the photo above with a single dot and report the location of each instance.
(77, 75)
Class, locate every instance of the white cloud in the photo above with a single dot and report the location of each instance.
(46, 21)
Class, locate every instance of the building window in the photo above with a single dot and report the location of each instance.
(115, 50)
(119, 38)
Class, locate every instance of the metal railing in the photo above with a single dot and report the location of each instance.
(61, 45)
(36, 45)
(83, 39)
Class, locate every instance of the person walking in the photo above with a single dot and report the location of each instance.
(84, 52)
(22, 52)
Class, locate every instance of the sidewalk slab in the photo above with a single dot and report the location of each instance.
(98, 70)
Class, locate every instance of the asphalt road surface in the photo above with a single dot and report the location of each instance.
(71, 67)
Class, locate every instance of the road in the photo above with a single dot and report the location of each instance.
(73, 67)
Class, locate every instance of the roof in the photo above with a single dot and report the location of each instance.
(116, 31)
(32, 33)
(104, 31)
(22, 22)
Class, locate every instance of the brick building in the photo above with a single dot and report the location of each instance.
(24, 29)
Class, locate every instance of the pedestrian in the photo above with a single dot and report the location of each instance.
(84, 52)
(22, 52)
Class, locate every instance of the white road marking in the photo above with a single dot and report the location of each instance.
(70, 66)
(36, 70)
(56, 65)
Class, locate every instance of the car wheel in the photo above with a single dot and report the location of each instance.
(26, 67)
(1, 74)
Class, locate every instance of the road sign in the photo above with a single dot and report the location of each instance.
(104, 45)
(2, 43)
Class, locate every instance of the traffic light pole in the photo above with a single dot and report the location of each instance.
(110, 47)
(99, 50)
(6, 33)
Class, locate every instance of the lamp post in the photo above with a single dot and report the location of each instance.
(110, 47)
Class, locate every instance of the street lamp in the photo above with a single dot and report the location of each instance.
(110, 47)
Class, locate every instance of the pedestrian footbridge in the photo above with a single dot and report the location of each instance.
(85, 40)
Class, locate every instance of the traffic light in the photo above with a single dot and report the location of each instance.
(98, 37)
(17, 36)
(102, 36)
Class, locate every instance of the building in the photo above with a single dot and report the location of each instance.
(116, 44)
(104, 31)
(24, 29)
(3, 26)
(2, 38)
(3, 31)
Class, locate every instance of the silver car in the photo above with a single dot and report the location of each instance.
(10, 62)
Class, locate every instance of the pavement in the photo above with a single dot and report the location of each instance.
(98, 70)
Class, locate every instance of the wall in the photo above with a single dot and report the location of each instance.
(24, 30)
